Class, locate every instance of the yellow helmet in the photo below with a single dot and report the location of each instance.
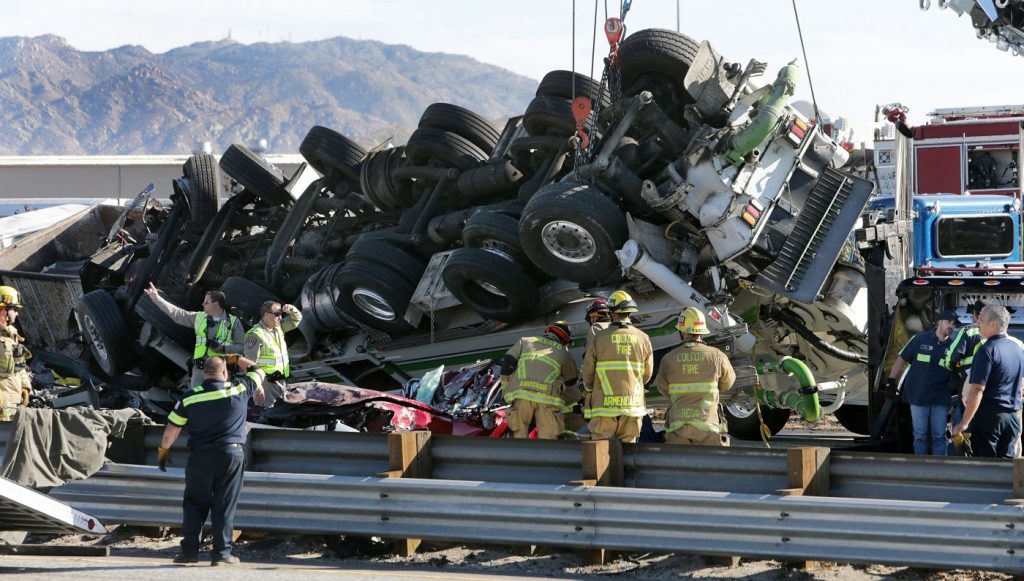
(9, 297)
(691, 321)
(621, 302)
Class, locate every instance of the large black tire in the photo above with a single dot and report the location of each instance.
(566, 84)
(495, 231)
(375, 295)
(387, 253)
(203, 176)
(462, 122)
(657, 60)
(854, 418)
(255, 174)
(743, 422)
(376, 179)
(571, 231)
(327, 150)
(105, 330)
(246, 296)
(491, 285)
(549, 116)
(147, 310)
(444, 147)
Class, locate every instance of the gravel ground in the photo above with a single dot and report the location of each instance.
(496, 560)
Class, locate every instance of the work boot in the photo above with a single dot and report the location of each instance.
(229, 560)
(183, 559)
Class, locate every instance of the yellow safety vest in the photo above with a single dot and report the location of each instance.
(222, 333)
(273, 354)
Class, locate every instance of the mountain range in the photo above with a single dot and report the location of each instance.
(57, 100)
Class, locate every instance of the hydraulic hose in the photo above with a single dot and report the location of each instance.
(767, 117)
(819, 343)
(805, 402)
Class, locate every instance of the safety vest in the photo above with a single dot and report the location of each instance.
(222, 334)
(969, 336)
(620, 361)
(273, 353)
(543, 365)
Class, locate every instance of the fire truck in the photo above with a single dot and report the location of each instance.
(961, 150)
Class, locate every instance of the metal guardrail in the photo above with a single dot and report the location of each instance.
(709, 523)
(746, 470)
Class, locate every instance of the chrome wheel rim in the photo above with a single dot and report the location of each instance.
(568, 241)
(373, 304)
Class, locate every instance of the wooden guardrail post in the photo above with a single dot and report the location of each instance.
(601, 465)
(1018, 483)
(808, 474)
(408, 457)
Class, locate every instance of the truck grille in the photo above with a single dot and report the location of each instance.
(822, 227)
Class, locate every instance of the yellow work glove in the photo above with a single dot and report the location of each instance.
(24, 397)
(163, 458)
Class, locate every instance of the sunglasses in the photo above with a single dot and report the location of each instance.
(275, 313)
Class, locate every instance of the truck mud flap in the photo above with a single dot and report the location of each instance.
(825, 222)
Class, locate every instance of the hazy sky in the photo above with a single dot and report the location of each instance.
(861, 52)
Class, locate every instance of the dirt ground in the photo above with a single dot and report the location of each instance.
(433, 558)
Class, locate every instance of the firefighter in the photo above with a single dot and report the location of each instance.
(218, 332)
(265, 345)
(691, 376)
(536, 371)
(15, 380)
(598, 317)
(617, 366)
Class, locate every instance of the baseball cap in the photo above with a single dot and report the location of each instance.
(948, 315)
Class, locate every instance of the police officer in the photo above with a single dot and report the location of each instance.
(15, 380)
(218, 333)
(214, 413)
(536, 371)
(617, 366)
(265, 345)
(993, 403)
(691, 376)
(926, 387)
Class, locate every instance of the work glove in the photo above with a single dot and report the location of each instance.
(163, 458)
(24, 397)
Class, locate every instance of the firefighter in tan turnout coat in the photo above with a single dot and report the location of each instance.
(15, 381)
(691, 376)
(618, 364)
(537, 370)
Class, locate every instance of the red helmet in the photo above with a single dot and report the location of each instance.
(560, 329)
(598, 306)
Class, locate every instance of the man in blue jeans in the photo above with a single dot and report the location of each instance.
(926, 387)
(993, 399)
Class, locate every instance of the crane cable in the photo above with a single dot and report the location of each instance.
(810, 81)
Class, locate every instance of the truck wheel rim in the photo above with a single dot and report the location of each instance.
(94, 335)
(568, 241)
(373, 304)
(740, 411)
(490, 288)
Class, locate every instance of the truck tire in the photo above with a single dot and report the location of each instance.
(389, 254)
(255, 174)
(657, 60)
(549, 116)
(106, 331)
(462, 122)
(376, 295)
(566, 85)
(491, 285)
(147, 310)
(376, 179)
(495, 231)
(571, 231)
(743, 422)
(327, 150)
(246, 296)
(203, 175)
(854, 418)
(444, 147)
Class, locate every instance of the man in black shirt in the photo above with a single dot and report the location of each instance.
(214, 412)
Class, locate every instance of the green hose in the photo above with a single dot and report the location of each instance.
(807, 405)
(767, 116)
